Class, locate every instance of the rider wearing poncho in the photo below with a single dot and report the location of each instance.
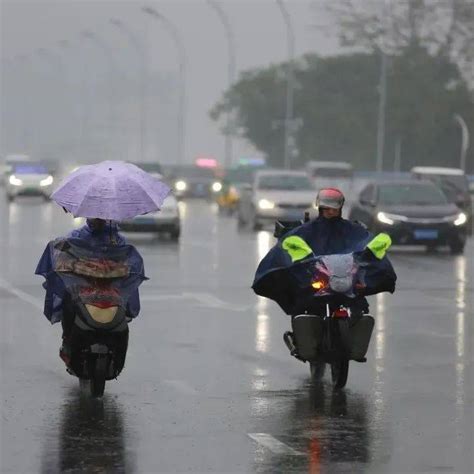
(96, 238)
(328, 234)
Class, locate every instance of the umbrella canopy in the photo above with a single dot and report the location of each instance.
(113, 190)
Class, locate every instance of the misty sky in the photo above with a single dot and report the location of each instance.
(260, 38)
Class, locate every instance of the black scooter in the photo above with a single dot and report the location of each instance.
(97, 341)
(97, 285)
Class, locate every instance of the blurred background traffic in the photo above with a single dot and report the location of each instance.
(355, 93)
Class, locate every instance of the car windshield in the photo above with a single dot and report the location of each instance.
(29, 168)
(150, 167)
(332, 173)
(452, 185)
(411, 194)
(195, 172)
(285, 182)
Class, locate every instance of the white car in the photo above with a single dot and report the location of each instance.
(7, 164)
(28, 179)
(276, 195)
(167, 220)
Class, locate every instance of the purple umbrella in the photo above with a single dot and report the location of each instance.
(112, 190)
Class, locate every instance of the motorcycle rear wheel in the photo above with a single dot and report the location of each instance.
(97, 382)
(317, 369)
(339, 373)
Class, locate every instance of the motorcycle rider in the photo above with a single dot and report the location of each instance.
(330, 233)
(58, 305)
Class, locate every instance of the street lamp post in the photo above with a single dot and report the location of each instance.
(139, 49)
(230, 75)
(381, 112)
(382, 92)
(464, 140)
(289, 125)
(174, 32)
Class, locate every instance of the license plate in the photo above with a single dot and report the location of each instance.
(426, 234)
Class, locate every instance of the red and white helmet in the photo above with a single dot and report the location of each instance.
(330, 197)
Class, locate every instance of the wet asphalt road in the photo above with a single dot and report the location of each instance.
(209, 385)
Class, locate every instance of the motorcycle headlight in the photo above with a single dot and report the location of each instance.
(180, 185)
(15, 181)
(216, 187)
(46, 181)
(382, 217)
(266, 204)
(461, 219)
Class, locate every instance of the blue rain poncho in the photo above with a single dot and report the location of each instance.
(87, 247)
(276, 276)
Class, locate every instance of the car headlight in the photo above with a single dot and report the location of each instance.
(15, 181)
(266, 204)
(461, 219)
(46, 181)
(180, 185)
(382, 217)
(216, 187)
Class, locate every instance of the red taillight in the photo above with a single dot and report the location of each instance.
(104, 304)
(341, 313)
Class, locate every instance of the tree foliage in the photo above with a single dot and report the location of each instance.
(337, 100)
(445, 28)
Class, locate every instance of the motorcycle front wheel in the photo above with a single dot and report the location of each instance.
(340, 366)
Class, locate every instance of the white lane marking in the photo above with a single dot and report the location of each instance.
(20, 294)
(211, 301)
(174, 296)
(275, 446)
(205, 299)
(181, 386)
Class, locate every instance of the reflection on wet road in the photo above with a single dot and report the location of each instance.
(327, 431)
(208, 384)
(90, 436)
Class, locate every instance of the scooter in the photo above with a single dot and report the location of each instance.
(96, 331)
(98, 342)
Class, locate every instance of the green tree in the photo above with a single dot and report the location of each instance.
(257, 102)
(337, 101)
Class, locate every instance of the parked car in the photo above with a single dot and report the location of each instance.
(167, 220)
(275, 195)
(412, 212)
(28, 179)
(195, 181)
